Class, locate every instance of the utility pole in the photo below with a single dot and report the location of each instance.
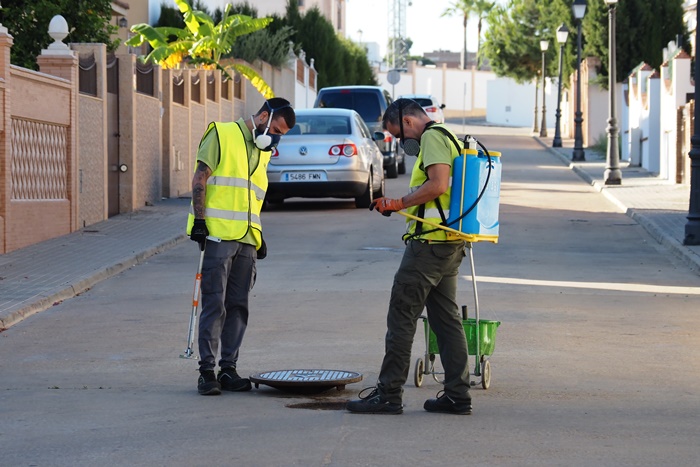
(397, 34)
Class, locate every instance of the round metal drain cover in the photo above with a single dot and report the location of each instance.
(306, 381)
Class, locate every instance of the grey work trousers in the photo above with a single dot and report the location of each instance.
(427, 277)
(228, 275)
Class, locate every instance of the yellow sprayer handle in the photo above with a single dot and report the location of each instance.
(452, 233)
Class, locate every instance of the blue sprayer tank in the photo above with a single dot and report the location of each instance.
(469, 174)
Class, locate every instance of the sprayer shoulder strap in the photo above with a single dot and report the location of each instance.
(447, 133)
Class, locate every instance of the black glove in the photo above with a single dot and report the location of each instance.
(262, 251)
(199, 233)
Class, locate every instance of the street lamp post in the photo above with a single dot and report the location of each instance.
(562, 35)
(579, 9)
(612, 174)
(692, 228)
(544, 45)
(534, 127)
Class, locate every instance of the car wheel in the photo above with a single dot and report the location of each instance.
(366, 198)
(402, 167)
(271, 203)
(393, 170)
(380, 192)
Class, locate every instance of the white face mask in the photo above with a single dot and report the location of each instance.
(265, 141)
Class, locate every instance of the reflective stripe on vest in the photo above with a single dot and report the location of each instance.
(227, 215)
(237, 182)
(234, 196)
(431, 214)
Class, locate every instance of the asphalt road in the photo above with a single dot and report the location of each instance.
(597, 360)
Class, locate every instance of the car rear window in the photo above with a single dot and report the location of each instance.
(321, 125)
(366, 103)
(423, 102)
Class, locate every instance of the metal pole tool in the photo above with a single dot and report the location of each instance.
(189, 352)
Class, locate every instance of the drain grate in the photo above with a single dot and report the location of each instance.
(306, 381)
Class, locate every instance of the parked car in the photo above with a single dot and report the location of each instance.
(328, 153)
(370, 102)
(430, 104)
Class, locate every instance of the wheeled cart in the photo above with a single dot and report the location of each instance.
(481, 342)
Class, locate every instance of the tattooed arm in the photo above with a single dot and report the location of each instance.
(199, 189)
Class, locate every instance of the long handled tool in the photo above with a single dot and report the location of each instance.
(189, 352)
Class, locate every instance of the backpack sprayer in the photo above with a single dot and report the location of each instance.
(475, 194)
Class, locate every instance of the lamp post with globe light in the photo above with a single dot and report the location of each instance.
(612, 174)
(579, 9)
(562, 35)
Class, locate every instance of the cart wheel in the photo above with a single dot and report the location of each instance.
(418, 374)
(485, 374)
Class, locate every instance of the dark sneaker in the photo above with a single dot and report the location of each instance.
(445, 404)
(373, 403)
(207, 385)
(230, 381)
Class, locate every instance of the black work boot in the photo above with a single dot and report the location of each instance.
(373, 402)
(445, 404)
(230, 381)
(207, 385)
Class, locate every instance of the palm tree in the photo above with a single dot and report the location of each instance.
(203, 41)
(481, 8)
(464, 8)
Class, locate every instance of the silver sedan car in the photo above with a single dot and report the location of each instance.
(328, 153)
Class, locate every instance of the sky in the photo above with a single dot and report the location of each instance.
(424, 25)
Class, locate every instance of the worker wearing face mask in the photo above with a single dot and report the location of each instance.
(427, 276)
(228, 190)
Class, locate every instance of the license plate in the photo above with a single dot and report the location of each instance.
(303, 177)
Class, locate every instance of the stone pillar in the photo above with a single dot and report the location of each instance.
(127, 132)
(5, 143)
(58, 60)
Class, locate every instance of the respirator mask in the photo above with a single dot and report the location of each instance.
(265, 141)
(410, 146)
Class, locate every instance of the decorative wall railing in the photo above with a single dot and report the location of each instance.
(39, 160)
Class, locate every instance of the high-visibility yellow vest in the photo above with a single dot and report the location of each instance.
(234, 195)
(429, 211)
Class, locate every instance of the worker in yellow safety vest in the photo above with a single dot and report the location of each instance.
(228, 191)
(427, 276)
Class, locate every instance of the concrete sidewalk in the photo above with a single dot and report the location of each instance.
(35, 278)
(656, 204)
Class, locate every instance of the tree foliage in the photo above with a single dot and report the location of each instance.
(28, 23)
(202, 42)
(512, 42)
(270, 45)
(338, 61)
(643, 29)
(335, 59)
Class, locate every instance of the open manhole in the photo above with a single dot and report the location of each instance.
(320, 405)
(304, 381)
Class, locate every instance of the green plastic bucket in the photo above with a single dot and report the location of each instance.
(487, 336)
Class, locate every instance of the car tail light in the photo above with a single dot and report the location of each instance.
(275, 153)
(347, 150)
(431, 109)
(388, 137)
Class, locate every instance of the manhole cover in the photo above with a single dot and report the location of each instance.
(306, 381)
